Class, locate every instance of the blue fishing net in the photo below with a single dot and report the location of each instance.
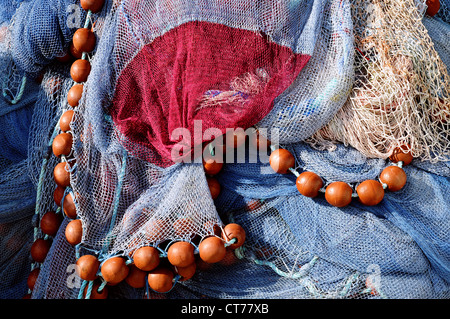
(296, 246)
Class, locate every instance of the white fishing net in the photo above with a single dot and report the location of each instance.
(401, 91)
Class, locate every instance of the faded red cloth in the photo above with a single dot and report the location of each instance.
(162, 88)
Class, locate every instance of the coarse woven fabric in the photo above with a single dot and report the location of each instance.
(400, 95)
(42, 30)
(103, 162)
(296, 247)
(233, 62)
(17, 192)
(439, 32)
(444, 11)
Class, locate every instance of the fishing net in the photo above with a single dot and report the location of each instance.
(339, 84)
(400, 95)
(438, 29)
(444, 11)
(17, 196)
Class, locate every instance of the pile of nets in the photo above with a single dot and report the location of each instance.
(400, 95)
(341, 85)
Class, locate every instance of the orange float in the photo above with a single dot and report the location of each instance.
(308, 184)
(370, 192)
(338, 194)
(281, 161)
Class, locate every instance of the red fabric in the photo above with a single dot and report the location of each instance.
(161, 88)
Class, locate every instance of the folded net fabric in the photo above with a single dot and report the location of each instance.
(400, 95)
(30, 106)
(284, 67)
(228, 75)
(443, 12)
(17, 195)
(263, 49)
(438, 29)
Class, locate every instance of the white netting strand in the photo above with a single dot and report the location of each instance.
(401, 91)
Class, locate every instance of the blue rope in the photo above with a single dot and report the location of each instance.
(300, 274)
(89, 290)
(18, 97)
(90, 286)
(42, 176)
(102, 285)
(22, 89)
(83, 286)
(231, 242)
(348, 284)
(88, 18)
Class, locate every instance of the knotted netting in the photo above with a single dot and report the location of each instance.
(127, 188)
(400, 95)
(443, 12)
(438, 29)
(291, 69)
(17, 196)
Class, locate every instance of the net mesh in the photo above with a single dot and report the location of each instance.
(401, 90)
(17, 196)
(444, 11)
(438, 30)
(339, 84)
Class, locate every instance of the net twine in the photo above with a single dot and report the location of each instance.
(401, 91)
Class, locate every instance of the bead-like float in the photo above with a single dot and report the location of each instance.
(339, 193)
(83, 41)
(158, 268)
